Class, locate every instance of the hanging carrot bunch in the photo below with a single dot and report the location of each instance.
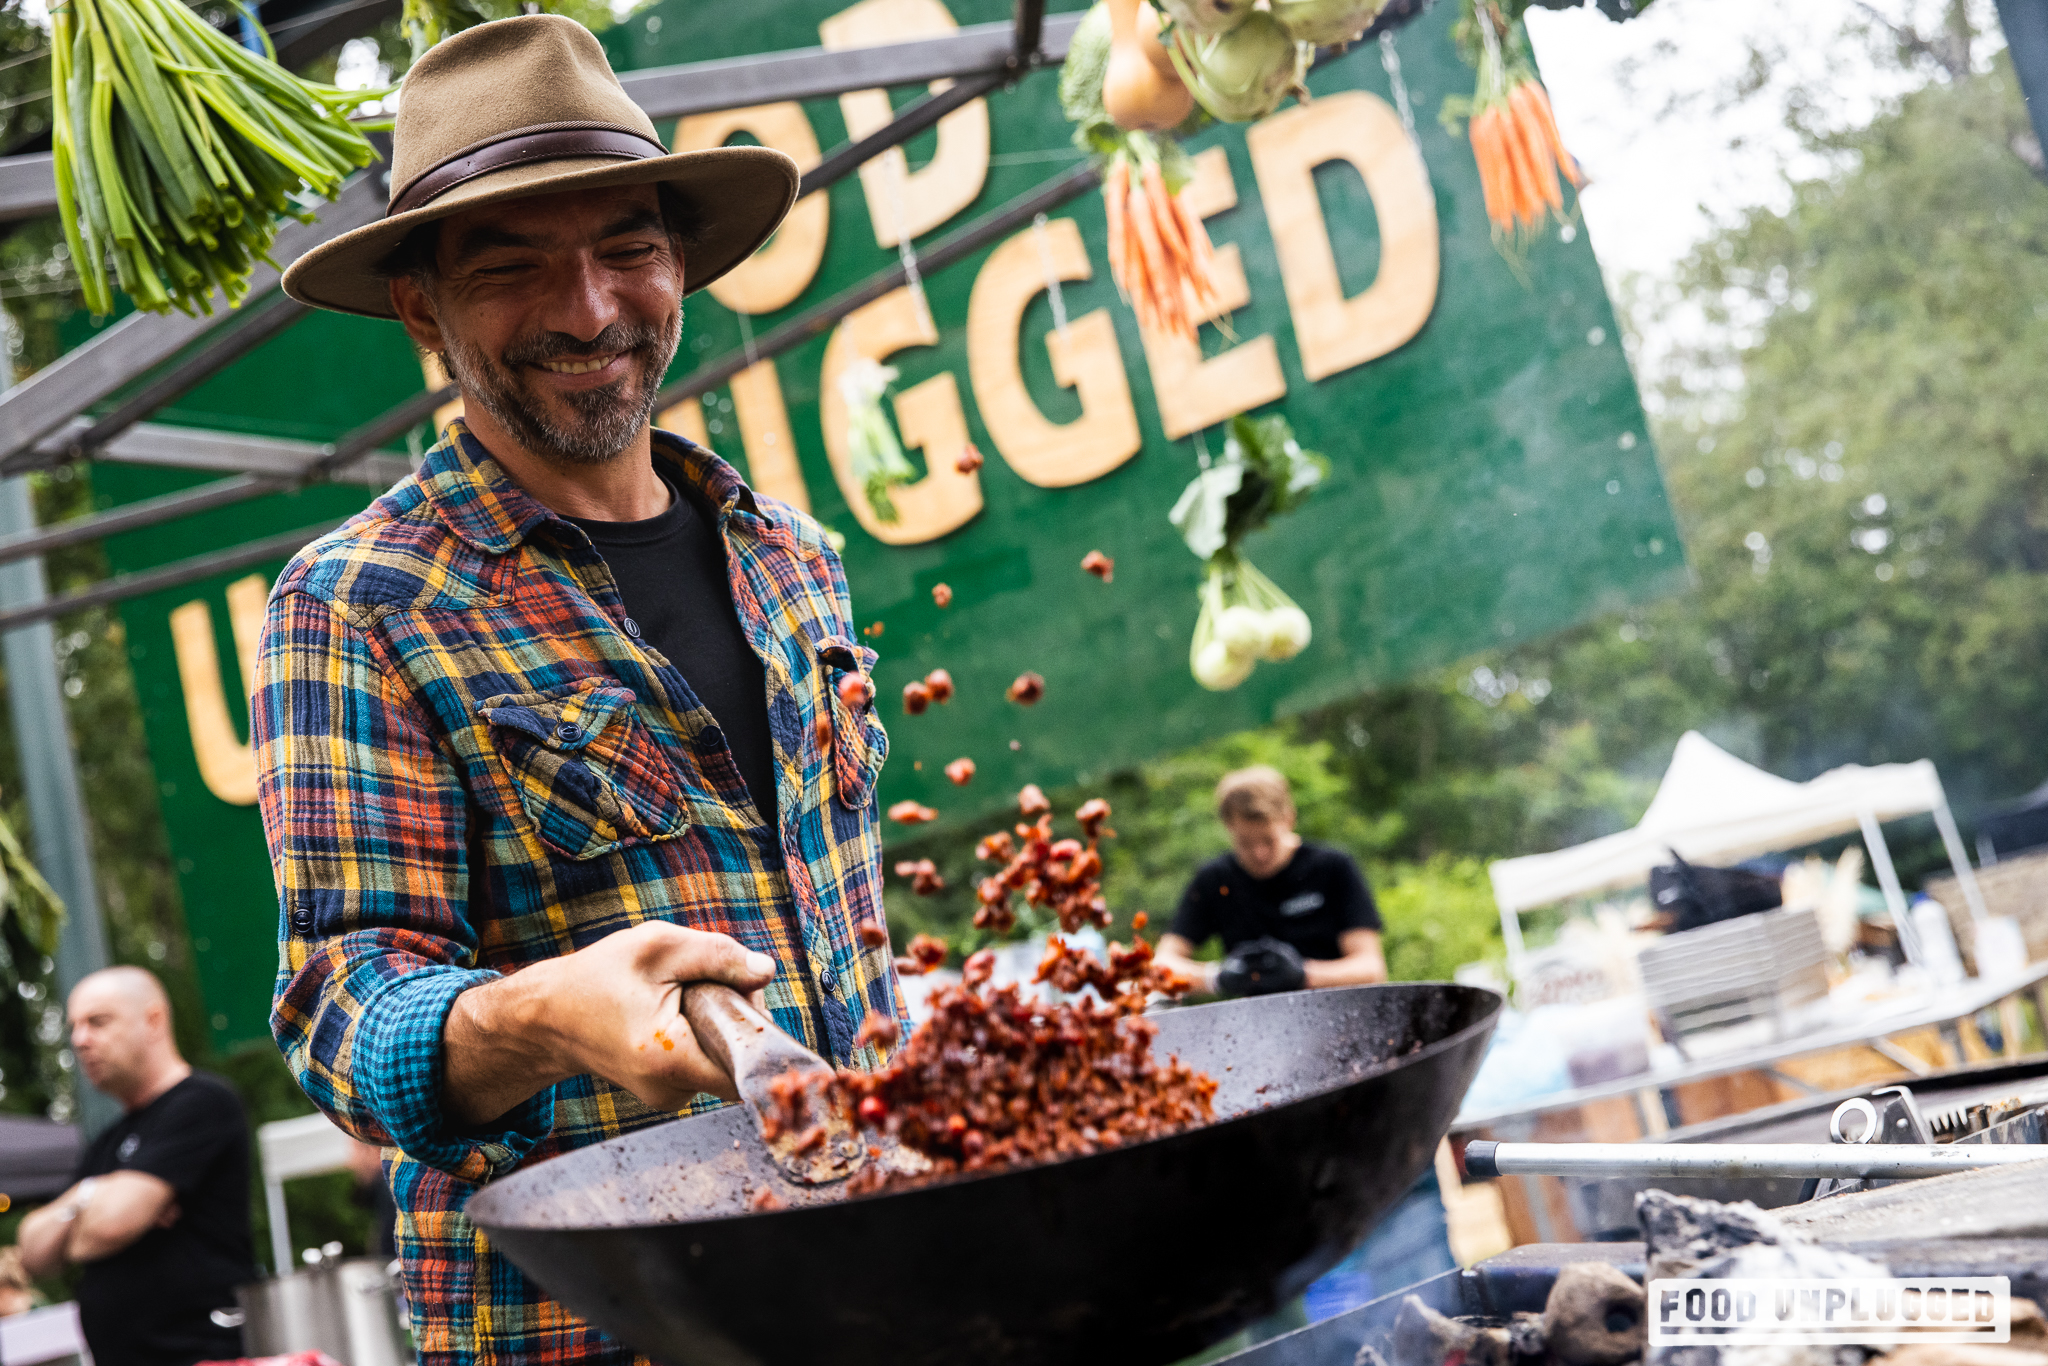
(1514, 136)
(1120, 88)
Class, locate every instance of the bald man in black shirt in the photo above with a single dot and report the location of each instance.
(158, 1221)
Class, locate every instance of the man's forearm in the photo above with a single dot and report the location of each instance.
(497, 1049)
(1352, 970)
(41, 1239)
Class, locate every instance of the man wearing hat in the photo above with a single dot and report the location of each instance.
(555, 725)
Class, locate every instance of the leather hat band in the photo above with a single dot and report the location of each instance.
(520, 149)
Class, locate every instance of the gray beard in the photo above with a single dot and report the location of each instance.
(605, 420)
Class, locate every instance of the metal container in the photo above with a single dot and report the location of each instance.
(345, 1307)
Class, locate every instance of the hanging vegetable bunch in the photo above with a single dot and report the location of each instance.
(177, 151)
(1514, 136)
(877, 456)
(1264, 473)
(427, 22)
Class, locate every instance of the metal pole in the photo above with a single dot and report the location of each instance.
(1888, 879)
(1959, 859)
(49, 772)
(1737, 1160)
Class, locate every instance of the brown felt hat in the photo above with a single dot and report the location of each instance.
(529, 106)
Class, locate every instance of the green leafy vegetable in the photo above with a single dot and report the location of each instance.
(178, 151)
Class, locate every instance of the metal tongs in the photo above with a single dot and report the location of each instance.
(756, 1054)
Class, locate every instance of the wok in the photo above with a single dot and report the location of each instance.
(1330, 1105)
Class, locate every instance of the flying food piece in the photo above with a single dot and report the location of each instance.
(961, 771)
(856, 690)
(1026, 689)
(940, 684)
(916, 697)
(924, 876)
(910, 813)
(874, 629)
(1100, 565)
(821, 731)
(1032, 801)
(1140, 921)
(942, 594)
(924, 952)
(969, 461)
(873, 936)
(879, 1029)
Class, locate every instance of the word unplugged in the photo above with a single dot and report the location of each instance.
(1869, 1309)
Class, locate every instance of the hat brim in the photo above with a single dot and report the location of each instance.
(742, 195)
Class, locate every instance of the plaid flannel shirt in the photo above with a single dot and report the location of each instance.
(469, 762)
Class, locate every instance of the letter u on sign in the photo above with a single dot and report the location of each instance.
(226, 763)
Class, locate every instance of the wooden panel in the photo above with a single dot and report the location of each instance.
(773, 276)
(1194, 393)
(1046, 453)
(917, 200)
(764, 430)
(1336, 333)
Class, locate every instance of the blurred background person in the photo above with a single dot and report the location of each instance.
(158, 1219)
(1291, 914)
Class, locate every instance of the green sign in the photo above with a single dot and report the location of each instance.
(1492, 478)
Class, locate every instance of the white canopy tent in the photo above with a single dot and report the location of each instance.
(1713, 807)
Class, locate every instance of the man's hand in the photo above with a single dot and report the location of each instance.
(611, 1010)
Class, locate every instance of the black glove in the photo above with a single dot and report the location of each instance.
(1261, 967)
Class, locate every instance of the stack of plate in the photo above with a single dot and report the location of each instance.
(1753, 967)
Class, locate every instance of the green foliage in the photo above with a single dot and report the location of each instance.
(321, 1209)
(1440, 915)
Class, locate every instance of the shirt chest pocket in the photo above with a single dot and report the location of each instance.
(589, 775)
(857, 743)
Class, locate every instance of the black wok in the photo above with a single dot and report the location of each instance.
(1332, 1104)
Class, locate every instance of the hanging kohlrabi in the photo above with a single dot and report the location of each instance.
(1246, 617)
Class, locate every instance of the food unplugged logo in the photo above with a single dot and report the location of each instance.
(1851, 1310)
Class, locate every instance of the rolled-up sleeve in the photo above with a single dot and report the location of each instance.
(368, 822)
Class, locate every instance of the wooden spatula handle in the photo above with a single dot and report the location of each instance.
(728, 1028)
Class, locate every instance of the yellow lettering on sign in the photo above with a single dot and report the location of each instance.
(1194, 393)
(927, 414)
(686, 420)
(226, 764)
(1336, 333)
(1049, 454)
(764, 432)
(902, 202)
(773, 276)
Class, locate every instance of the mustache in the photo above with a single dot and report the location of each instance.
(547, 346)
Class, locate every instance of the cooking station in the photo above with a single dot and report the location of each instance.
(1843, 1170)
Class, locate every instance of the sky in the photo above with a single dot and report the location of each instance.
(1649, 107)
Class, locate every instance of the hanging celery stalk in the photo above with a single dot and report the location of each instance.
(177, 151)
(877, 456)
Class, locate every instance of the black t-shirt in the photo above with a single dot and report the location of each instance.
(671, 574)
(148, 1304)
(1309, 903)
